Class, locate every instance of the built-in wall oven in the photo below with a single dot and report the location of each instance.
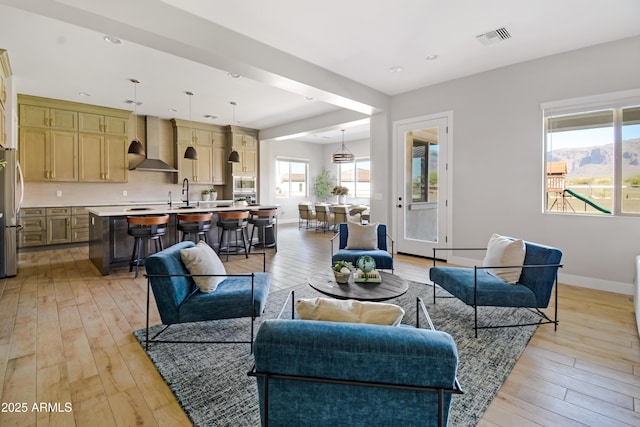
(244, 184)
(245, 187)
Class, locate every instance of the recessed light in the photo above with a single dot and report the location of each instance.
(210, 116)
(431, 57)
(396, 69)
(234, 75)
(112, 40)
(131, 101)
(309, 98)
(173, 110)
(84, 94)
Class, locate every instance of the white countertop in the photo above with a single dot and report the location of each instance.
(118, 210)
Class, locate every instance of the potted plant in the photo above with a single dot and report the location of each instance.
(204, 194)
(323, 184)
(240, 201)
(340, 191)
(342, 271)
(213, 194)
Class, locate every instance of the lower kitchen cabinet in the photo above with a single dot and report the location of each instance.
(58, 225)
(53, 226)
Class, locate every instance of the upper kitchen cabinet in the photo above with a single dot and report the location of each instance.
(48, 155)
(208, 141)
(5, 72)
(245, 142)
(97, 123)
(103, 148)
(49, 118)
(68, 141)
(103, 158)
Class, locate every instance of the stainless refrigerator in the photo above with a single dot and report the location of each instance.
(12, 186)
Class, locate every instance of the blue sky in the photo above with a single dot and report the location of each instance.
(589, 137)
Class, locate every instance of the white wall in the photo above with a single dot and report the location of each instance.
(318, 155)
(497, 158)
(269, 151)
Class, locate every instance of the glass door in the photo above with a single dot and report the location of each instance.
(421, 198)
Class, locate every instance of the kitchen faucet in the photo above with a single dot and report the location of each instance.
(170, 200)
(185, 181)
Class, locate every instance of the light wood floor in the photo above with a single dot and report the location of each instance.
(65, 337)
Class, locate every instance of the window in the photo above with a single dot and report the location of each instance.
(356, 177)
(424, 171)
(592, 160)
(292, 178)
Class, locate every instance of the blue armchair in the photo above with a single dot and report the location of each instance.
(179, 300)
(383, 258)
(331, 373)
(477, 287)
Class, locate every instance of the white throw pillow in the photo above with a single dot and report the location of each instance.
(350, 311)
(362, 236)
(202, 259)
(502, 251)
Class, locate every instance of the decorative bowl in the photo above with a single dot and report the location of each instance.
(341, 278)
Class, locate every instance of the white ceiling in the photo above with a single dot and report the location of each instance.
(337, 51)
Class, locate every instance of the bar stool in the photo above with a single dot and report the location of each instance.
(263, 219)
(145, 227)
(197, 224)
(233, 222)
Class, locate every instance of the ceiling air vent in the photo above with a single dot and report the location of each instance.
(494, 36)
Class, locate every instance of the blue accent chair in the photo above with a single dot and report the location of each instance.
(320, 373)
(383, 258)
(476, 287)
(179, 300)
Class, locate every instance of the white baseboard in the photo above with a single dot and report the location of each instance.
(569, 279)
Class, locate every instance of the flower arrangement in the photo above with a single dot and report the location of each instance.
(342, 271)
(339, 190)
(3, 163)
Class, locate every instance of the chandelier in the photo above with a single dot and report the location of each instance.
(342, 155)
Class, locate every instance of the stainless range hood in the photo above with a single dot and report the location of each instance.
(153, 163)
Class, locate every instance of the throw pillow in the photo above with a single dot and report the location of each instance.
(202, 259)
(364, 237)
(503, 251)
(350, 311)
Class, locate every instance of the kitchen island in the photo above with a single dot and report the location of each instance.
(110, 246)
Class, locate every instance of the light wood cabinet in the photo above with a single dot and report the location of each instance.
(209, 142)
(5, 73)
(47, 155)
(58, 229)
(103, 158)
(97, 123)
(50, 118)
(66, 141)
(197, 171)
(53, 226)
(79, 224)
(246, 144)
(34, 227)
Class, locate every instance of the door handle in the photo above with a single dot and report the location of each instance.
(398, 206)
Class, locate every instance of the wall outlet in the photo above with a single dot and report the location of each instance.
(59, 193)
(124, 193)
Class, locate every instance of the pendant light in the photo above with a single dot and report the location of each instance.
(342, 155)
(234, 156)
(190, 152)
(136, 146)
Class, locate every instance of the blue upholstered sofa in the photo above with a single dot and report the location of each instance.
(180, 301)
(312, 368)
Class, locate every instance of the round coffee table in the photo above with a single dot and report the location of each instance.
(391, 286)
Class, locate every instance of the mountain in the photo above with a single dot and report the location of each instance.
(597, 162)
